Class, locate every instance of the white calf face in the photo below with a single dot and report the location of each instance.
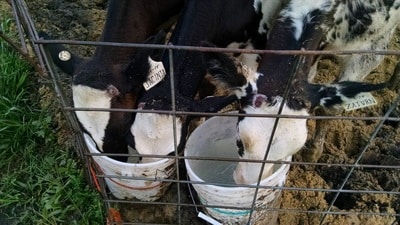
(269, 9)
(254, 133)
(94, 122)
(246, 64)
(298, 11)
(154, 134)
(251, 77)
(250, 60)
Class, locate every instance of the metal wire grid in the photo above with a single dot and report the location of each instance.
(26, 28)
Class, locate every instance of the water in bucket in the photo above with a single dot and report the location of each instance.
(215, 171)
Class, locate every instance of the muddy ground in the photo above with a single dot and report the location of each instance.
(83, 20)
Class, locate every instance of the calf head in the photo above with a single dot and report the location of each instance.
(97, 86)
(153, 132)
(230, 73)
(300, 25)
(101, 83)
(258, 135)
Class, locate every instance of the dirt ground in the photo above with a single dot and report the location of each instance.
(83, 20)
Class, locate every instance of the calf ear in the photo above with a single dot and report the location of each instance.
(138, 67)
(158, 39)
(61, 56)
(112, 91)
(335, 94)
(218, 63)
(223, 68)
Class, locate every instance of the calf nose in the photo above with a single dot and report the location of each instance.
(259, 99)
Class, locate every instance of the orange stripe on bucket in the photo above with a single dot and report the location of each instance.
(96, 180)
(135, 188)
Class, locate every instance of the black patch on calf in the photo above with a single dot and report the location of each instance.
(351, 89)
(339, 21)
(278, 69)
(68, 66)
(248, 99)
(240, 118)
(138, 69)
(335, 100)
(317, 92)
(93, 74)
(296, 103)
(388, 4)
(240, 147)
(222, 68)
(283, 70)
(118, 127)
(360, 17)
(332, 94)
(258, 7)
(130, 140)
(249, 90)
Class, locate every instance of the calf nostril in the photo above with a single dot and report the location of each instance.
(258, 100)
(257, 104)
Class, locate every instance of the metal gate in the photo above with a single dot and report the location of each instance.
(180, 204)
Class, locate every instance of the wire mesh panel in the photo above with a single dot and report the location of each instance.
(356, 180)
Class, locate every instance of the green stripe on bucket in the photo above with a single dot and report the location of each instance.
(233, 213)
(236, 212)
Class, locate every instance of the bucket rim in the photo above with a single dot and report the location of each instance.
(282, 169)
(91, 146)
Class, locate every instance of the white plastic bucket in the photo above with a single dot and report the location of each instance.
(216, 138)
(125, 188)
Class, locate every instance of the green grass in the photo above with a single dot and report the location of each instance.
(40, 181)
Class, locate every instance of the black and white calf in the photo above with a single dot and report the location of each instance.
(301, 24)
(356, 25)
(217, 21)
(360, 25)
(100, 82)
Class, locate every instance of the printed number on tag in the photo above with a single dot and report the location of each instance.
(361, 100)
(157, 74)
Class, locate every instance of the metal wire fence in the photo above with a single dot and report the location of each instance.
(180, 204)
